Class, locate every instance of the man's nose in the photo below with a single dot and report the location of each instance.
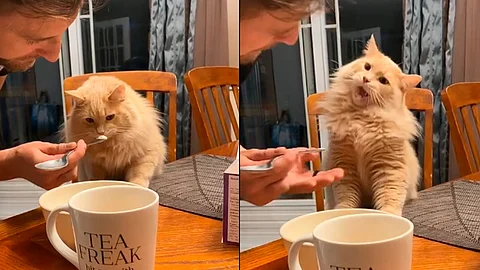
(291, 39)
(50, 50)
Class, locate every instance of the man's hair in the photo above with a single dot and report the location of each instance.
(297, 8)
(47, 8)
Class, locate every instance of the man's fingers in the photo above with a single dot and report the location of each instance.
(337, 173)
(77, 154)
(68, 176)
(325, 178)
(259, 155)
(307, 184)
(259, 180)
(306, 157)
(282, 165)
(302, 159)
(54, 149)
(65, 175)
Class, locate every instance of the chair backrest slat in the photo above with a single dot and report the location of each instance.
(459, 99)
(214, 111)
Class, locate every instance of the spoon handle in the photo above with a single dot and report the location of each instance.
(69, 152)
(95, 142)
(313, 150)
(260, 168)
(89, 144)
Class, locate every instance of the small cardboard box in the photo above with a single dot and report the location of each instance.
(231, 207)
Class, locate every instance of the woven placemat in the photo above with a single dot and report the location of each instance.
(448, 213)
(193, 184)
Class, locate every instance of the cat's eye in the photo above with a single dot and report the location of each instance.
(110, 117)
(383, 80)
(89, 120)
(367, 66)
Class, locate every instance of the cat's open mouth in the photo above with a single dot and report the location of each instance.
(362, 93)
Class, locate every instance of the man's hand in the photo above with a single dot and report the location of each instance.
(288, 175)
(22, 159)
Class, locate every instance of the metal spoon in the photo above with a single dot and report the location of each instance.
(269, 165)
(260, 168)
(57, 164)
(312, 150)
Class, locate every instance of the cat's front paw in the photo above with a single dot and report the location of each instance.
(140, 181)
(412, 195)
(392, 210)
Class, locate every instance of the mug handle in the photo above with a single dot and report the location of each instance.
(293, 260)
(55, 239)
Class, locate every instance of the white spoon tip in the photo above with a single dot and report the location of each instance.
(102, 137)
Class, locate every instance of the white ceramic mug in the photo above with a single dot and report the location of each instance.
(300, 226)
(61, 195)
(115, 228)
(359, 242)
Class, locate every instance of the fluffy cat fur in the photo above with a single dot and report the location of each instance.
(135, 150)
(371, 130)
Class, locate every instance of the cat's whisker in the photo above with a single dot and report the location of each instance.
(378, 99)
(373, 97)
(82, 135)
(382, 101)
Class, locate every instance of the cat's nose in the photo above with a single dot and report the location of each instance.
(365, 80)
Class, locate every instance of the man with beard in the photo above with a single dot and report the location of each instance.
(32, 29)
(263, 24)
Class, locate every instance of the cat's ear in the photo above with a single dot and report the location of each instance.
(411, 80)
(371, 47)
(76, 95)
(117, 95)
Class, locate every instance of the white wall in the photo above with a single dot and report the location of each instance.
(233, 26)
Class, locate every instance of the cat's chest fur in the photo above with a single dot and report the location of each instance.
(115, 156)
(362, 128)
(359, 135)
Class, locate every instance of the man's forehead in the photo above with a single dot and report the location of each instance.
(38, 27)
(277, 21)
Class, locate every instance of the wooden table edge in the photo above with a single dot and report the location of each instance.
(279, 256)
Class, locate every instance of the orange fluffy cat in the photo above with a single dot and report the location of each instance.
(370, 131)
(135, 150)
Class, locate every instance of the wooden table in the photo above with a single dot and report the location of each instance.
(427, 254)
(185, 241)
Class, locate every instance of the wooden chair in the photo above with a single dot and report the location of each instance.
(416, 100)
(142, 81)
(203, 83)
(461, 102)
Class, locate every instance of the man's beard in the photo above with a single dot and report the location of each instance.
(20, 65)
